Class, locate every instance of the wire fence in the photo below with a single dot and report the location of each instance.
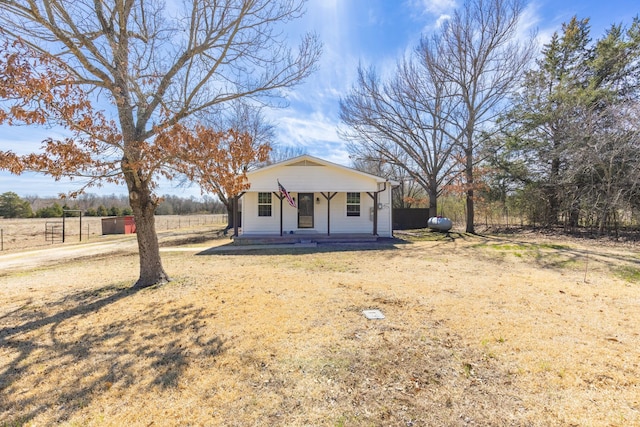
(25, 233)
(173, 222)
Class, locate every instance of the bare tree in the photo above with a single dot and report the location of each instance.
(280, 152)
(401, 122)
(157, 67)
(485, 61)
(601, 178)
(407, 193)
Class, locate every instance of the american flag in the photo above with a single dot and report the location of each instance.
(287, 195)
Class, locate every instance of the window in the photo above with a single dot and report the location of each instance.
(353, 204)
(264, 204)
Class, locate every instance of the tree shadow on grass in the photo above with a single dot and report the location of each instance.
(557, 255)
(55, 359)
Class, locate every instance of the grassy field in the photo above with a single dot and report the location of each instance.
(30, 233)
(478, 330)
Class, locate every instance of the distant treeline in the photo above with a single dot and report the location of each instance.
(33, 206)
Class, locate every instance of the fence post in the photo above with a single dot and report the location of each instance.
(506, 210)
(1, 239)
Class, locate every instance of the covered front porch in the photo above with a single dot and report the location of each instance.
(302, 237)
(310, 213)
(310, 199)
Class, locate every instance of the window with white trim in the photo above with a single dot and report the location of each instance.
(353, 204)
(264, 204)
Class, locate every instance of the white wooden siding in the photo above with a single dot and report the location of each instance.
(310, 179)
(324, 177)
(252, 223)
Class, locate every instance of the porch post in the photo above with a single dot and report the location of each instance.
(374, 196)
(280, 197)
(328, 217)
(281, 214)
(328, 196)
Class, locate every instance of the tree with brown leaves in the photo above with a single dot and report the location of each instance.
(219, 160)
(154, 68)
(234, 156)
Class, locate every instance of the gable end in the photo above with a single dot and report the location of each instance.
(305, 163)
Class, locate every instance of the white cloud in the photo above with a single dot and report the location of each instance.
(434, 13)
(429, 8)
(530, 18)
(306, 130)
(438, 7)
(338, 155)
(314, 131)
(442, 19)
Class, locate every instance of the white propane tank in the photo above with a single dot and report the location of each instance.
(439, 223)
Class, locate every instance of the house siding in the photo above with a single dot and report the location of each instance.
(310, 179)
(252, 223)
(316, 179)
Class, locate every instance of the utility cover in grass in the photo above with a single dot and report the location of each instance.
(373, 314)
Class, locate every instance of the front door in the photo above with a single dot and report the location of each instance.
(305, 210)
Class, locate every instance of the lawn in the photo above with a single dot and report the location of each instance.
(478, 330)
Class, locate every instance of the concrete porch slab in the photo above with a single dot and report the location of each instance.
(304, 238)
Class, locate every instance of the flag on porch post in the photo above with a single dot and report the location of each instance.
(286, 194)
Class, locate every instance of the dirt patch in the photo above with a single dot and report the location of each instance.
(477, 331)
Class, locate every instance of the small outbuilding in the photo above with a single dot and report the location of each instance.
(119, 225)
(307, 195)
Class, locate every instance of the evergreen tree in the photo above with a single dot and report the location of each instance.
(571, 119)
(53, 211)
(102, 211)
(12, 206)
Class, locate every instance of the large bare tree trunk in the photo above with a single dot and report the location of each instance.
(144, 204)
(433, 199)
(470, 213)
(229, 206)
(470, 202)
(151, 270)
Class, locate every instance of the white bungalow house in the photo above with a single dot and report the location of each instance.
(326, 199)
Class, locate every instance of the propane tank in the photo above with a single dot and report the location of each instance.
(439, 223)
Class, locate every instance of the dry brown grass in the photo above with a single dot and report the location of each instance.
(19, 234)
(478, 331)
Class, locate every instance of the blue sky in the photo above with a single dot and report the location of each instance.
(367, 32)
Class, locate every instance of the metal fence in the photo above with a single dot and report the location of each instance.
(33, 232)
